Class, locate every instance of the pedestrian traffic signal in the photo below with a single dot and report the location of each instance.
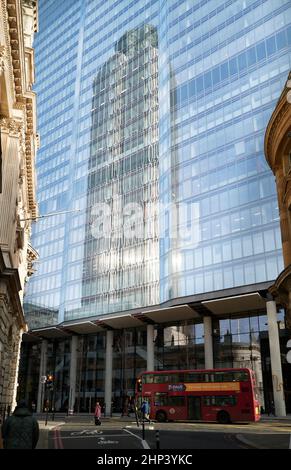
(139, 386)
(49, 379)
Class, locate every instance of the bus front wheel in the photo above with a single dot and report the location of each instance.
(223, 417)
(161, 417)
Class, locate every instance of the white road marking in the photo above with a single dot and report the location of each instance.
(143, 442)
(87, 437)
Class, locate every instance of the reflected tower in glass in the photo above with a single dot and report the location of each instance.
(122, 245)
(145, 106)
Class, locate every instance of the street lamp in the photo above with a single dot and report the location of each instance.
(49, 215)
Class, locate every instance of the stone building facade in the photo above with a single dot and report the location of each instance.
(278, 155)
(19, 141)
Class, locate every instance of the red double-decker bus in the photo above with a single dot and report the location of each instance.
(222, 395)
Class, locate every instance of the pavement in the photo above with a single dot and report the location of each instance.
(277, 436)
(269, 433)
(44, 430)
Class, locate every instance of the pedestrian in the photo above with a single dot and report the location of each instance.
(145, 410)
(97, 414)
(21, 430)
(33, 407)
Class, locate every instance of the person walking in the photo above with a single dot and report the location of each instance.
(21, 430)
(145, 410)
(97, 414)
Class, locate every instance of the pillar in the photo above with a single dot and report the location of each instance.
(42, 371)
(208, 343)
(108, 371)
(150, 348)
(17, 361)
(73, 374)
(276, 367)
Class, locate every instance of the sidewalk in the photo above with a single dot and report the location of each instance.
(265, 441)
(276, 418)
(278, 439)
(44, 432)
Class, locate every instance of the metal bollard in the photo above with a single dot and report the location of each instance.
(157, 439)
(143, 433)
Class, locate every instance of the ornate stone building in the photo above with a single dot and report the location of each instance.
(18, 22)
(278, 155)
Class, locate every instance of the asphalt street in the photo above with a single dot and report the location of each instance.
(80, 432)
(129, 436)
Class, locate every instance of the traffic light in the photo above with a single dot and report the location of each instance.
(49, 381)
(139, 386)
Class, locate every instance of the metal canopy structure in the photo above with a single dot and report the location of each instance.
(162, 315)
(237, 304)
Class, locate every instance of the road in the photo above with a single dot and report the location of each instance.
(112, 435)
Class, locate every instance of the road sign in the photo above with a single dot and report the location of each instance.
(288, 356)
(43, 379)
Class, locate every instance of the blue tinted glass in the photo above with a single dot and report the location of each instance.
(251, 56)
(261, 50)
(271, 45)
(207, 80)
(242, 61)
(109, 78)
(224, 71)
(199, 84)
(192, 88)
(184, 92)
(281, 40)
(216, 75)
(233, 67)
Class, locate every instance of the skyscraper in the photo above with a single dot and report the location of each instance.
(152, 119)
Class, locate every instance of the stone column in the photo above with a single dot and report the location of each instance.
(276, 366)
(17, 360)
(73, 374)
(208, 343)
(108, 371)
(150, 348)
(42, 371)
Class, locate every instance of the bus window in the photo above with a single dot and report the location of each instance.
(241, 376)
(161, 399)
(176, 401)
(223, 377)
(220, 400)
(148, 378)
(195, 377)
(160, 379)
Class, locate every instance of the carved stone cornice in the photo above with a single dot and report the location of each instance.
(277, 128)
(15, 128)
(17, 47)
(29, 156)
(3, 59)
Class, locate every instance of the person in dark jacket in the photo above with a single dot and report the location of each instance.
(21, 430)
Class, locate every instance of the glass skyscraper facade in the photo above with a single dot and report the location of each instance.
(152, 117)
(162, 105)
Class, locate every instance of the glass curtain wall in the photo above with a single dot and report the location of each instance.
(179, 346)
(238, 343)
(129, 360)
(121, 247)
(222, 68)
(90, 374)
(140, 102)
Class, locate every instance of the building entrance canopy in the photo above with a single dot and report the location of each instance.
(237, 304)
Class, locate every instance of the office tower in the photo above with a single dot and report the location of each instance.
(195, 149)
